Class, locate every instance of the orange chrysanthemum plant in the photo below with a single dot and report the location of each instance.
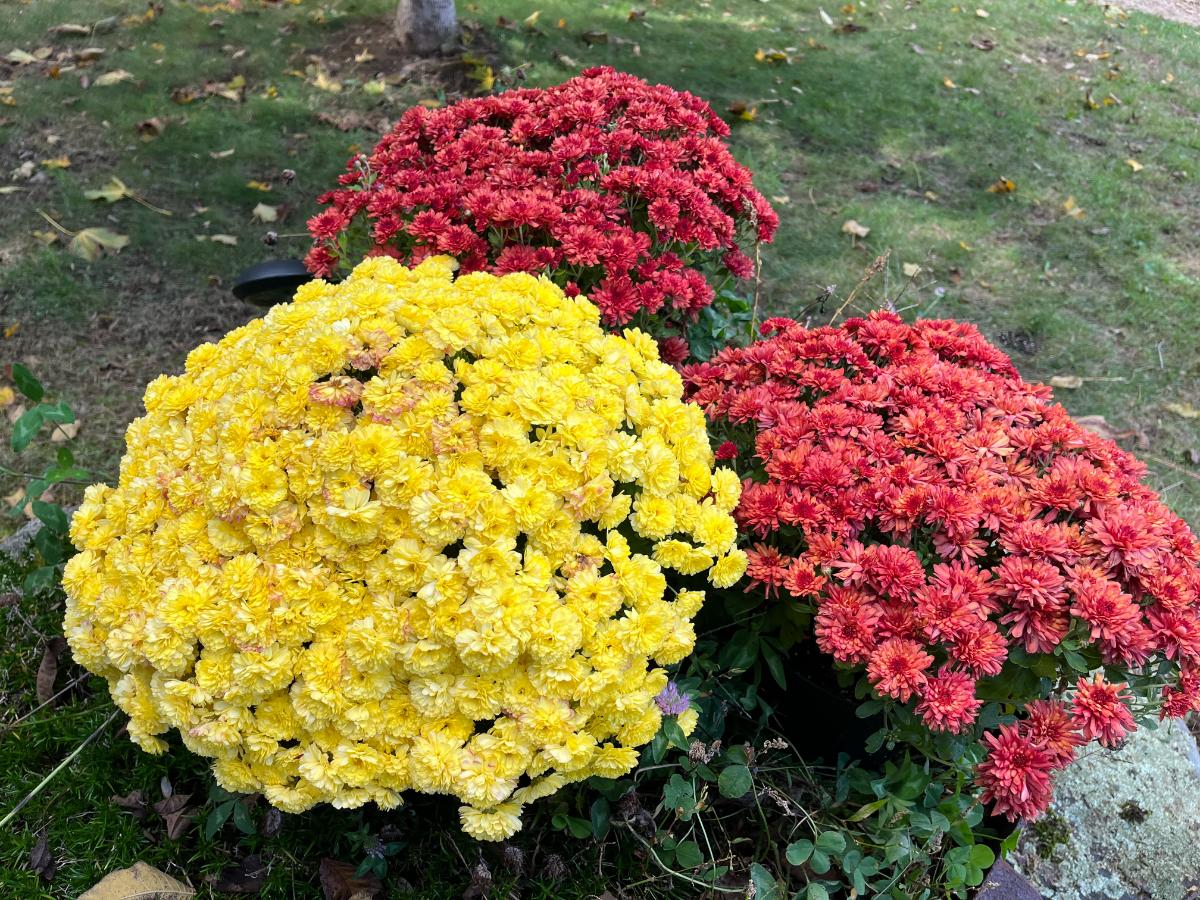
(996, 578)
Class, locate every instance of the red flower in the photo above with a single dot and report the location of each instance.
(1100, 711)
(897, 668)
(948, 701)
(727, 450)
(931, 505)
(598, 182)
(1015, 776)
(1049, 723)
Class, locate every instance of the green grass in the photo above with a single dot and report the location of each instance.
(855, 125)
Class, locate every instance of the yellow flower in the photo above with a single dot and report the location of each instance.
(497, 824)
(391, 537)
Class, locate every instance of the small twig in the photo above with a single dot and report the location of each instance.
(57, 769)
(872, 270)
(658, 862)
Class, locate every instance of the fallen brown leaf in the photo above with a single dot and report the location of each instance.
(47, 671)
(1098, 425)
(176, 814)
(339, 882)
(133, 803)
(41, 861)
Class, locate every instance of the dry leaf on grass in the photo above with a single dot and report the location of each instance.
(1098, 425)
(1069, 382)
(339, 882)
(1002, 186)
(64, 431)
(264, 212)
(1185, 410)
(91, 243)
(176, 814)
(47, 672)
(41, 861)
(116, 76)
(850, 226)
(139, 881)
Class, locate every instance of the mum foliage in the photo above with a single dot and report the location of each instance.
(406, 532)
(613, 187)
(960, 539)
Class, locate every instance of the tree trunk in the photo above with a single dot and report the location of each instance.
(423, 26)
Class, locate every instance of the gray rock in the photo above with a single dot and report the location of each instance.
(18, 542)
(1124, 824)
(1004, 882)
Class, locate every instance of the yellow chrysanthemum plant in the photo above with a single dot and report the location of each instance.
(406, 532)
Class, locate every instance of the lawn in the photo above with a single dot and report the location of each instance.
(1033, 167)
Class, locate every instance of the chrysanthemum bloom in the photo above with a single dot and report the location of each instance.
(1049, 723)
(927, 505)
(1100, 710)
(948, 701)
(897, 668)
(1016, 774)
(380, 540)
(613, 187)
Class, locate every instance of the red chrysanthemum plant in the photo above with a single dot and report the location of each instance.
(619, 189)
(982, 560)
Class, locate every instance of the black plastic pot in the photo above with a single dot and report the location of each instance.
(271, 282)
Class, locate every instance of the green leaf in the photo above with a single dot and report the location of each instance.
(816, 892)
(65, 458)
(217, 818)
(831, 841)
(870, 809)
(674, 734)
(50, 545)
(242, 818)
(579, 828)
(599, 815)
(765, 885)
(26, 428)
(819, 862)
(26, 383)
(688, 855)
(40, 580)
(799, 852)
(57, 412)
(982, 856)
(1076, 661)
(735, 781)
(52, 516)
(741, 651)
(680, 795)
(774, 664)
